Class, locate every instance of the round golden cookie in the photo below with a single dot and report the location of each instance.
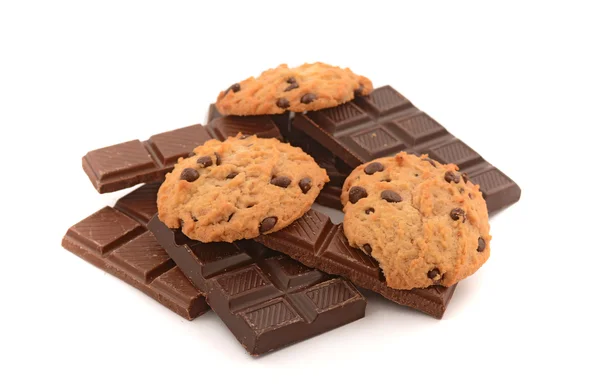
(305, 88)
(424, 222)
(239, 188)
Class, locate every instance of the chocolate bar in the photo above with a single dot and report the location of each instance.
(316, 242)
(116, 241)
(384, 123)
(127, 164)
(266, 299)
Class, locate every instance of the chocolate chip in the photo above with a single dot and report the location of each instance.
(457, 213)
(368, 249)
(465, 177)
(305, 185)
(204, 161)
(292, 86)
(231, 175)
(282, 103)
(281, 181)
(480, 245)
(234, 87)
(451, 176)
(267, 224)
(369, 211)
(189, 174)
(308, 98)
(359, 90)
(431, 161)
(390, 196)
(291, 80)
(218, 159)
(195, 219)
(356, 193)
(434, 274)
(374, 167)
(229, 218)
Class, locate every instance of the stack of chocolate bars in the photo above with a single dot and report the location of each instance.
(286, 286)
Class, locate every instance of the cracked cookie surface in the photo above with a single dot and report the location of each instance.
(305, 88)
(424, 222)
(239, 188)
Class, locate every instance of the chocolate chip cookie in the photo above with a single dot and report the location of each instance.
(424, 222)
(305, 88)
(239, 188)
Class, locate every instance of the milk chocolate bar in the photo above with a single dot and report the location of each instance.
(116, 241)
(127, 164)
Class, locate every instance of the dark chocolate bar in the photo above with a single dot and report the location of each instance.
(266, 299)
(116, 241)
(127, 164)
(316, 242)
(385, 123)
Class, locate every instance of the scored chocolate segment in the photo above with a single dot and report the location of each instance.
(266, 299)
(116, 241)
(168, 147)
(105, 230)
(140, 203)
(497, 188)
(385, 123)
(212, 113)
(124, 165)
(316, 242)
(330, 197)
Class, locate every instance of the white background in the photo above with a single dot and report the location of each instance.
(518, 82)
